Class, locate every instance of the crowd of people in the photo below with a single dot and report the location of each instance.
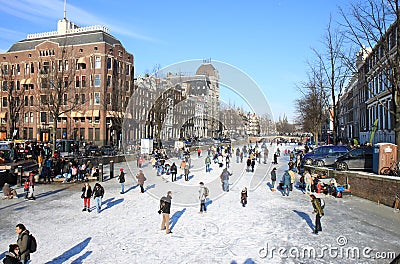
(221, 155)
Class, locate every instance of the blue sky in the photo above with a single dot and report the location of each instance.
(268, 40)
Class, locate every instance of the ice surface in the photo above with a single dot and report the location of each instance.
(128, 228)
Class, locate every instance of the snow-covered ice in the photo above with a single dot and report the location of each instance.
(270, 229)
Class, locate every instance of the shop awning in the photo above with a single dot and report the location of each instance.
(90, 113)
(76, 114)
(29, 81)
(22, 81)
(117, 114)
(3, 114)
(82, 60)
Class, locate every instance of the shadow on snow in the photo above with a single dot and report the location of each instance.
(305, 217)
(175, 217)
(71, 252)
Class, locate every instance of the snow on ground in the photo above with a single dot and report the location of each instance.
(128, 228)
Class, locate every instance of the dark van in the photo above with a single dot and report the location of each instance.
(322, 152)
(357, 159)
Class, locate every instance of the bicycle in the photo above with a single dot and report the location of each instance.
(393, 170)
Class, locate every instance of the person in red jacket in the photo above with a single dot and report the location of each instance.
(86, 195)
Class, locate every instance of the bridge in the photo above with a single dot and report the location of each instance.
(275, 138)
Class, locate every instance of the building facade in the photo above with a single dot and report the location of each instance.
(75, 81)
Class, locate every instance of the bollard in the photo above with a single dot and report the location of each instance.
(19, 175)
(111, 169)
(101, 175)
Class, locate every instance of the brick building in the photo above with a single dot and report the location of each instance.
(74, 82)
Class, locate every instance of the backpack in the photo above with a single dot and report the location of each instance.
(206, 191)
(322, 203)
(32, 243)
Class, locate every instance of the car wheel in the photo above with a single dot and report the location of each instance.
(342, 166)
(308, 161)
(320, 163)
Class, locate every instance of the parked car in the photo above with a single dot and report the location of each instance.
(357, 159)
(322, 152)
(92, 150)
(329, 160)
(107, 150)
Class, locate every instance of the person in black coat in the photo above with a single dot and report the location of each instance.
(165, 209)
(121, 179)
(174, 171)
(273, 179)
(12, 256)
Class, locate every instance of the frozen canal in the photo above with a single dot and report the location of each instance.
(271, 229)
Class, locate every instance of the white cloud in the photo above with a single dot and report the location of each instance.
(42, 11)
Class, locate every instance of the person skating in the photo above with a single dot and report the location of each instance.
(273, 179)
(12, 256)
(308, 181)
(165, 210)
(243, 197)
(121, 180)
(186, 171)
(31, 181)
(98, 193)
(141, 179)
(203, 193)
(86, 195)
(319, 212)
(23, 243)
(275, 158)
(174, 171)
(286, 179)
(208, 163)
(225, 179)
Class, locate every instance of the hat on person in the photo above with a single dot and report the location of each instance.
(12, 247)
(122, 169)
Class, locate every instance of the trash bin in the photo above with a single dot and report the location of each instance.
(385, 154)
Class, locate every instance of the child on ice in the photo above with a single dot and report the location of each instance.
(243, 196)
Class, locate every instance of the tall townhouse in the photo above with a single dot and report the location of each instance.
(81, 76)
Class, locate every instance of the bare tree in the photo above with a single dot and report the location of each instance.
(13, 97)
(374, 23)
(335, 71)
(57, 83)
(312, 107)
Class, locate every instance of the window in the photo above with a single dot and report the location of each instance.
(26, 102)
(96, 98)
(60, 65)
(83, 99)
(31, 117)
(108, 99)
(4, 102)
(97, 64)
(109, 63)
(97, 80)
(51, 118)
(4, 86)
(31, 100)
(76, 99)
(97, 120)
(108, 80)
(32, 68)
(65, 99)
(65, 82)
(26, 118)
(66, 65)
(18, 69)
(77, 82)
(83, 81)
(43, 117)
(43, 99)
